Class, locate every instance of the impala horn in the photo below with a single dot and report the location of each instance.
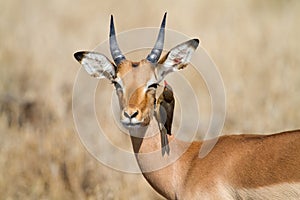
(159, 45)
(113, 44)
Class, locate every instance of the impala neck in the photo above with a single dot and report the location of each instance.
(145, 139)
(161, 171)
(146, 142)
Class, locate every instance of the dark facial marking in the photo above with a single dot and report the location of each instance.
(135, 64)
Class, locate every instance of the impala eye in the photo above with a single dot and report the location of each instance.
(117, 85)
(153, 86)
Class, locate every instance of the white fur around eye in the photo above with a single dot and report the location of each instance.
(149, 84)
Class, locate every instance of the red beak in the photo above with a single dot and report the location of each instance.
(165, 83)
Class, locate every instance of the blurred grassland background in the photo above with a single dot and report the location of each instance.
(254, 43)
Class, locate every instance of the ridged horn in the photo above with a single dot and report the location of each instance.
(159, 45)
(113, 44)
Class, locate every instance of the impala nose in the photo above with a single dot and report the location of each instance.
(130, 113)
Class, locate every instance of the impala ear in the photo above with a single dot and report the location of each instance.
(177, 58)
(96, 64)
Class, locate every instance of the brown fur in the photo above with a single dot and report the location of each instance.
(237, 161)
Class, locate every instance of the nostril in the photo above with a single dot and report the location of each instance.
(135, 114)
(126, 115)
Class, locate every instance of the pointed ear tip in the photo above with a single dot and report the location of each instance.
(79, 55)
(195, 42)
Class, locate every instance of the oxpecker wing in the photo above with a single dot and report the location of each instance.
(164, 115)
(166, 104)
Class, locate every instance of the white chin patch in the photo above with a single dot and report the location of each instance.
(131, 122)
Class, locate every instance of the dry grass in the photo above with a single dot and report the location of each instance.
(255, 44)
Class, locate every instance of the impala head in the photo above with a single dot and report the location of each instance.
(136, 82)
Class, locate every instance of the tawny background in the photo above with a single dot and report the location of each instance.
(255, 45)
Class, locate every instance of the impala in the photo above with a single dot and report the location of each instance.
(238, 167)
